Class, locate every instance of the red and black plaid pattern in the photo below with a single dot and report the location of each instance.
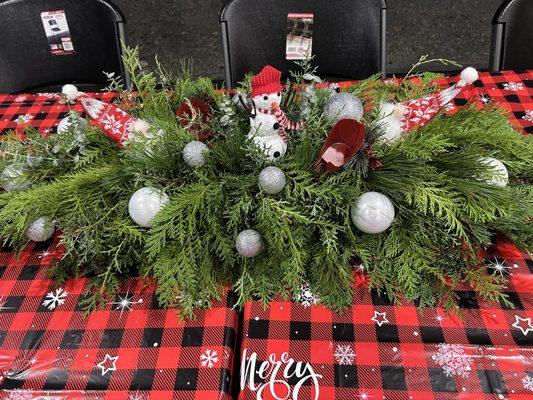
(132, 349)
(376, 350)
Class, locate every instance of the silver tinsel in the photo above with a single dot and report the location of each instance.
(343, 106)
(248, 243)
(193, 153)
(272, 180)
(40, 230)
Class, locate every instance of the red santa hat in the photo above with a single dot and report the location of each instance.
(267, 81)
(115, 123)
(418, 112)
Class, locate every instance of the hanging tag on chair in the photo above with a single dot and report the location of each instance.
(299, 36)
(57, 32)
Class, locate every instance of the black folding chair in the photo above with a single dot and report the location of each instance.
(37, 55)
(512, 36)
(348, 36)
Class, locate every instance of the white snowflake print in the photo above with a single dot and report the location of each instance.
(20, 99)
(111, 123)
(513, 86)
(24, 119)
(55, 298)
(344, 354)
(306, 297)
(209, 358)
(449, 106)
(528, 116)
(20, 394)
(527, 382)
(137, 396)
(453, 360)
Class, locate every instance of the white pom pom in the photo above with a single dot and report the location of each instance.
(470, 75)
(70, 91)
(141, 126)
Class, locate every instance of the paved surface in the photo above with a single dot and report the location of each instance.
(180, 29)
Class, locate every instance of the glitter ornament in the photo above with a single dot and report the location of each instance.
(272, 180)
(193, 153)
(145, 204)
(343, 106)
(40, 230)
(501, 176)
(373, 212)
(13, 179)
(248, 243)
(73, 119)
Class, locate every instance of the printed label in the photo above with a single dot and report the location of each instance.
(299, 36)
(57, 32)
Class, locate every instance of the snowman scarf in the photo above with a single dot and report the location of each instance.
(284, 123)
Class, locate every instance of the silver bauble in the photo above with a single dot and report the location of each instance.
(373, 212)
(272, 180)
(13, 179)
(501, 176)
(248, 243)
(343, 106)
(145, 204)
(193, 153)
(73, 119)
(40, 230)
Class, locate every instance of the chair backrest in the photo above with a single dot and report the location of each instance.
(26, 59)
(512, 36)
(348, 36)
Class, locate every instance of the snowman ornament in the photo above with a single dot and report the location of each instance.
(268, 123)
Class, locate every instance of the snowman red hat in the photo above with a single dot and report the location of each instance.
(267, 81)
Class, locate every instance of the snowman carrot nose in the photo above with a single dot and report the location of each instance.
(275, 105)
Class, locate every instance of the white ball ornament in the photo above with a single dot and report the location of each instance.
(390, 122)
(13, 180)
(272, 180)
(373, 212)
(343, 106)
(249, 243)
(40, 230)
(194, 153)
(70, 91)
(501, 175)
(73, 119)
(469, 75)
(145, 204)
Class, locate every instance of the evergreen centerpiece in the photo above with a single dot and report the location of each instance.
(229, 191)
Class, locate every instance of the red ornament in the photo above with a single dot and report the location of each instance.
(194, 115)
(342, 144)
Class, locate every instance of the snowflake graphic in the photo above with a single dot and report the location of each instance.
(24, 119)
(527, 381)
(55, 298)
(306, 297)
(20, 99)
(110, 122)
(209, 358)
(528, 116)
(20, 394)
(513, 86)
(344, 354)
(453, 360)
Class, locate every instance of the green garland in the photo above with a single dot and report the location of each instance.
(445, 210)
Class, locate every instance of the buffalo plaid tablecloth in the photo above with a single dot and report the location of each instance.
(131, 350)
(375, 350)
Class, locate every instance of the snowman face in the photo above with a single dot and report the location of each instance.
(265, 101)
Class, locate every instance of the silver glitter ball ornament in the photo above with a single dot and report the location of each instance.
(145, 204)
(272, 180)
(40, 230)
(248, 243)
(194, 153)
(373, 212)
(343, 106)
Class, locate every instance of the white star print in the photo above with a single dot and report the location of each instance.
(485, 99)
(125, 303)
(380, 318)
(102, 364)
(518, 325)
(500, 267)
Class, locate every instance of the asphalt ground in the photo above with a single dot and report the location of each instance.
(458, 30)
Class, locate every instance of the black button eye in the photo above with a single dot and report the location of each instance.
(276, 154)
(265, 97)
(276, 126)
(279, 94)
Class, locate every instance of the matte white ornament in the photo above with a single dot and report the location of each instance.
(142, 128)
(501, 177)
(13, 179)
(343, 106)
(145, 204)
(272, 180)
(40, 230)
(248, 243)
(469, 75)
(73, 119)
(194, 153)
(390, 122)
(373, 212)
(70, 91)
(273, 146)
